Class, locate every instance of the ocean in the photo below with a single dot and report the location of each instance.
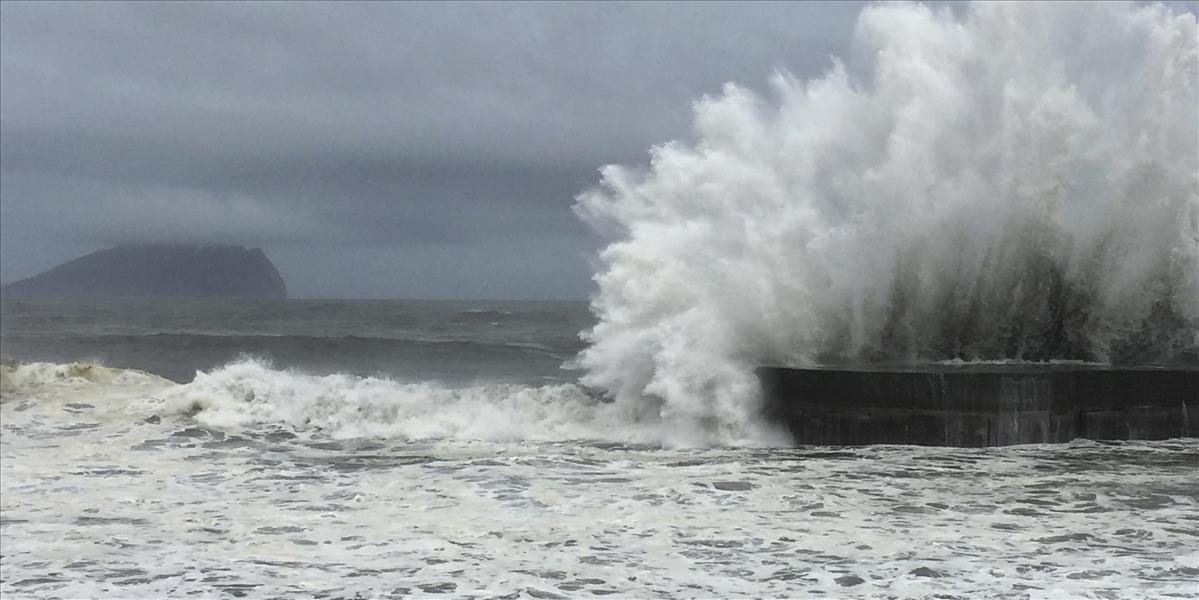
(439, 449)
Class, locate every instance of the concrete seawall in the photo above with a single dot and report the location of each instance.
(981, 405)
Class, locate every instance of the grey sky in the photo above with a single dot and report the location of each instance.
(374, 150)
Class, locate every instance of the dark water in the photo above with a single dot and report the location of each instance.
(520, 342)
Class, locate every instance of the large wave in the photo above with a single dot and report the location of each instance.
(1020, 181)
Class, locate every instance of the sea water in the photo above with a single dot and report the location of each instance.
(392, 449)
(1000, 181)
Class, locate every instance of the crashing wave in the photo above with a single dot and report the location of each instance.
(250, 393)
(1017, 182)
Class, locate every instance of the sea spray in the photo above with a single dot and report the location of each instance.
(1017, 182)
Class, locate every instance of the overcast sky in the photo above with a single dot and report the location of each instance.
(373, 150)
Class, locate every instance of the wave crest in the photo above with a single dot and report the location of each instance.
(24, 379)
(251, 393)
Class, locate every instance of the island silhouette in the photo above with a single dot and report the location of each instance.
(156, 271)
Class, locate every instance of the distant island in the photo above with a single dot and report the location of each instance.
(156, 271)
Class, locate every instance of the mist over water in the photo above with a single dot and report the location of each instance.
(1017, 182)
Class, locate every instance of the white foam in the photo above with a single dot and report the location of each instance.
(54, 385)
(1018, 182)
(250, 392)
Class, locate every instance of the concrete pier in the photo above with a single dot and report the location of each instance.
(981, 405)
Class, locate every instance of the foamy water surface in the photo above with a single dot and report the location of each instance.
(112, 489)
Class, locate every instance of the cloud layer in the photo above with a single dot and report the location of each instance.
(410, 150)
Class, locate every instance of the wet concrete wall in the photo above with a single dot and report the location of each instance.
(981, 405)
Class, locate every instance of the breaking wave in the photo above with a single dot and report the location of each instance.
(42, 378)
(250, 393)
(1017, 182)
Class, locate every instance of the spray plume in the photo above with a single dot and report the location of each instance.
(1020, 182)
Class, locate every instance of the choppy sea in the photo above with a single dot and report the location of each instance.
(425, 449)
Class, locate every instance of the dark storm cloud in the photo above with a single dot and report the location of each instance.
(373, 149)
